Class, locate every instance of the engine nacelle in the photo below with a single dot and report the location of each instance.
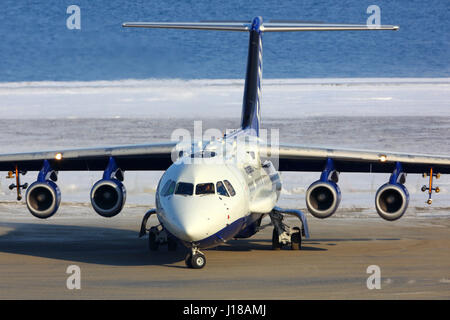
(108, 197)
(43, 199)
(323, 198)
(391, 201)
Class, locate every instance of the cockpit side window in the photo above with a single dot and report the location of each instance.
(221, 190)
(184, 188)
(170, 188)
(166, 186)
(229, 187)
(205, 188)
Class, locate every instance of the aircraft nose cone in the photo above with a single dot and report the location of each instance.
(191, 230)
(191, 220)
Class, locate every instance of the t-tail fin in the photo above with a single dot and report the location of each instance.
(251, 106)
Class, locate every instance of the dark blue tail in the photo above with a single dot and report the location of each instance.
(251, 107)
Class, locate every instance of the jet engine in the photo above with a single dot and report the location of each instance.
(392, 198)
(108, 197)
(391, 201)
(323, 196)
(43, 196)
(43, 199)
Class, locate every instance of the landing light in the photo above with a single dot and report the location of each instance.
(383, 158)
(58, 156)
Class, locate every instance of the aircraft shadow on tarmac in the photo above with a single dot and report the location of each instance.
(112, 246)
(85, 244)
(259, 244)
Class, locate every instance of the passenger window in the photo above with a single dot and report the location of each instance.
(249, 169)
(229, 187)
(221, 190)
(205, 188)
(184, 188)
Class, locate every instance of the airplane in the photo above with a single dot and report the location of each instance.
(217, 190)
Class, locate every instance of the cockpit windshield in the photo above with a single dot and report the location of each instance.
(204, 154)
(205, 188)
(224, 188)
(184, 188)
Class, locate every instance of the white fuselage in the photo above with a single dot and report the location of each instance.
(243, 190)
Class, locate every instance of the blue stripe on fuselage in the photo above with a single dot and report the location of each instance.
(230, 231)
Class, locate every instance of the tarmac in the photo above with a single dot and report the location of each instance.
(411, 257)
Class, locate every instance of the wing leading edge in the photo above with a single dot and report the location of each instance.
(304, 158)
(131, 157)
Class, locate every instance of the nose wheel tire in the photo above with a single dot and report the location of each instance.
(195, 261)
(276, 244)
(187, 260)
(198, 261)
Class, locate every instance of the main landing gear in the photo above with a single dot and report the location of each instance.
(195, 259)
(283, 235)
(157, 235)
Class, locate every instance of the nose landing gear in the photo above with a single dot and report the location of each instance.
(158, 235)
(195, 259)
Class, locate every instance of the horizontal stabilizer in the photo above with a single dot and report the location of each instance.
(266, 27)
(220, 26)
(285, 27)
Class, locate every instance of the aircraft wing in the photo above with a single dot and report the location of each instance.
(155, 156)
(305, 158)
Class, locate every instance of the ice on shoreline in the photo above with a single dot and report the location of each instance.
(160, 98)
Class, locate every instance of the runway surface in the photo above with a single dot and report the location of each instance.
(412, 254)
